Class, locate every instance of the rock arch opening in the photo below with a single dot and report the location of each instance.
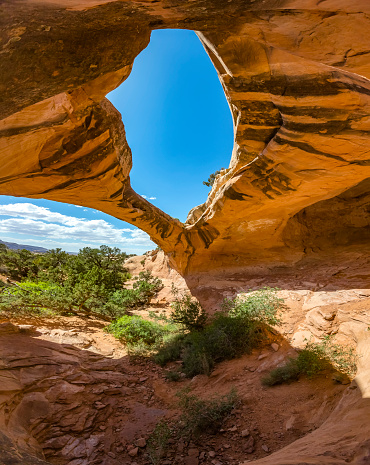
(177, 120)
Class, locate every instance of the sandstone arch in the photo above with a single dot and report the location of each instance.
(296, 73)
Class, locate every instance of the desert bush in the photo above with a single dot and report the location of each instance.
(158, 442)
(313, 359)
(37, 298)
(284, 374)
(173, 375)
(146, 287)
(262, 306)
(89, 283)
(187, 311)
(212, 178)
(170, 350)
(229, 334)
(204, 416)
(135, 330)
(344, 359)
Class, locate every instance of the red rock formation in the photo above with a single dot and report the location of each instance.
(294, 204)
(295, 74)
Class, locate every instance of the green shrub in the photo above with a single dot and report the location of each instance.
(262, 306)
(187, 311)
(90, 283)
(170, 350)
(284, 374)
(212, 178)
(134, 330)
(204, 416)
(173, 375)
(146, 287)
(195, 357)
(228, 335)
(158, 442)
(35, 298)
(344, 359)
(313, 359)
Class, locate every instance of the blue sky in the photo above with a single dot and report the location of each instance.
(179, 128)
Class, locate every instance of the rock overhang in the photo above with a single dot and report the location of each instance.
(295, 74)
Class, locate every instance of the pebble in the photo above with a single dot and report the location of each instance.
(211, 454)
(133, 452)
(249, 445)
(265, 448)
(141, 442)
(275, 346)
(245, 433)
(99, 405)
(262, 356)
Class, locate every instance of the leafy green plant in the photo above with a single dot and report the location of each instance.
(158, 442)
(89, 283)
(19, 263)
(212, 178)
(38, 298)
(170, 350)
(284, 374)
(187, 311)
(313, 359)
(135, 330)
(146, 286)
(262, 305)
(228, 334)
(173, 375)
(204, 416)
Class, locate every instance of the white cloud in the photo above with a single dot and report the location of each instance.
(31, 220)
(147, 198)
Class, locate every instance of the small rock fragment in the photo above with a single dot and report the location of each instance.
(275, 346)
(265, 448)
(211, 454)
(133, 452)
(141, 442)
(249, 445)
(245, 433)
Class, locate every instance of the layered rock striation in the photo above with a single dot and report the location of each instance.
(296, 75)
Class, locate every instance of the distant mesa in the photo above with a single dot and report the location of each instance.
(31, 248)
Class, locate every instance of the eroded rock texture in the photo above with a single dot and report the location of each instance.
(293, 207)
(296, 74)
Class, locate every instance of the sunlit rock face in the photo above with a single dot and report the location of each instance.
(296, 75)
(292, 210)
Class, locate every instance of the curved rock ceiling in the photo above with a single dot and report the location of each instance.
(296, 74)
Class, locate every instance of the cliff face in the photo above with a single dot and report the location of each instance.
(296, 74)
